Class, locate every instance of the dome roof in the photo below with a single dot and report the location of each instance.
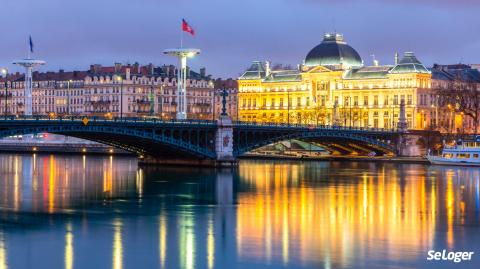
(333, 51)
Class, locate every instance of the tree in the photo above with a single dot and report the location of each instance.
(462, 96)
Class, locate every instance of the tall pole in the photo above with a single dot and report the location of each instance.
(68, 97)
(119, 79)
(288, 107)
(121, 97)
(350, 103)
(5, 73)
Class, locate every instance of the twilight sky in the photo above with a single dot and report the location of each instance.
(72, 34)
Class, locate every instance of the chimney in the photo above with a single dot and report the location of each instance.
(136, 68)
(127, 73)
(118, 67)
(187, 72)
(267, 68)
(150, 68)
(203, 72)
(396, 58)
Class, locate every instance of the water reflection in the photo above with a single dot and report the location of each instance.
(69, 247)
(105, 212)
(3, 252)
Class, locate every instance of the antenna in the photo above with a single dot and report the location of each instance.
(375, 61)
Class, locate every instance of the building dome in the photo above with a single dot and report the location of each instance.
(333, 51)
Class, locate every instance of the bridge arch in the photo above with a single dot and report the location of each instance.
(378, 143)
(134, 140)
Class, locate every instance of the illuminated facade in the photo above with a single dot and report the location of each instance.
(131, 90)
(333, 86)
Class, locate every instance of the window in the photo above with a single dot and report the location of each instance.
(272, 104)
(355, 101)
(447, 155)
(463, 155)
(475, 156)
(299, 101)
(409, 99)
(385, 100)
(395, 100)
(281, 102)
(365, 100)
(375, 100)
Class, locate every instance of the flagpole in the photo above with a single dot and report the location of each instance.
(181, 38)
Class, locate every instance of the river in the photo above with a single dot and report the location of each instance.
(72, 211)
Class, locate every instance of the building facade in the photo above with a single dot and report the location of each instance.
(333, 86)
(231, 88)
(114, 91)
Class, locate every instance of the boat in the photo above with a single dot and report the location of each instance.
(466, 153)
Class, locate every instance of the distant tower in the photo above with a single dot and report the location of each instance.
(396, 58)
(182, 55)
(28, 64)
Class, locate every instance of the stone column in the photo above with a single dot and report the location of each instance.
(407, 144)
(402, 124)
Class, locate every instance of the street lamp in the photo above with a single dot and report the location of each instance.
(119, 79)
(68, 96)
(5, 73)
(288, 106)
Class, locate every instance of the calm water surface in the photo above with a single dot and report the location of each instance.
(106, 212)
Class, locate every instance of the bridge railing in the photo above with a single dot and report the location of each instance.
(314, 126)
(103, 119)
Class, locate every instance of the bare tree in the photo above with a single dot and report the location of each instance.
(463, 96)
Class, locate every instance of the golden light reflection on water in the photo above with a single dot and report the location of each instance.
(3, 252)
(210, 243)
(384, 212)
(162, 239)
(117, 255)
(187, 241)
(59, 182)
(69, 247)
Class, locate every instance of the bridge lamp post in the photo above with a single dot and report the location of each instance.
(5, 73)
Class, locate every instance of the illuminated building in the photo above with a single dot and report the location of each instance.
(146, 91)
(333, 86)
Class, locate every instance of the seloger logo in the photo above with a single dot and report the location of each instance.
(455, 256)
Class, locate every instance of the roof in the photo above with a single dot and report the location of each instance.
(284, 76)
(368, 72)
(409, 64)
(255, 71)
(452, 72)
(333, 51)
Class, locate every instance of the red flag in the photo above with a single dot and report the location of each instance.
(187, 28)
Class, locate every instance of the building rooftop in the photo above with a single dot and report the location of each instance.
(333, 51)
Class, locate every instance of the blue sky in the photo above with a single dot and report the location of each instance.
(72, 34)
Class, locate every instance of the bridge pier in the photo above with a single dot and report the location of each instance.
(407, 145)
(224, 142)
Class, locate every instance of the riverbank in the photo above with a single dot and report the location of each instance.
(59, 148)
(417, 160)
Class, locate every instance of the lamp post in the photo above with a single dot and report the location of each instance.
(68, 96)
(288, 107)
(5, 73)
(119, 79)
